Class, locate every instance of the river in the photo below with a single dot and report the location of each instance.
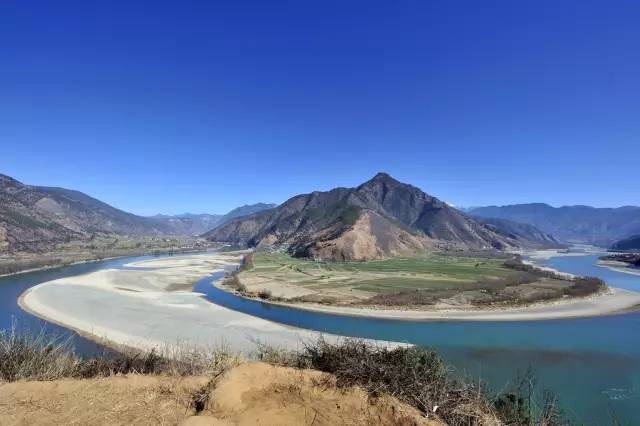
(593, 364)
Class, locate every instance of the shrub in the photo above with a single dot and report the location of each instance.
(247, 262)
(350, 215)
(519, 404)
(515, 279)
(418, 377)
(413, 375)
(25, 356)
(36, 357)
(584, 286)
(234, 282)
(516, 264)
(409, 297)
(264, 294)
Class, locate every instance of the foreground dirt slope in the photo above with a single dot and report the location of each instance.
(139, 400)
(249, 394)
(258, 393)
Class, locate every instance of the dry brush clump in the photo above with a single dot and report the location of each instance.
(418, 377)
(580, 286)
(415, 297)
(27, 356)
(585, 286)
(520, 404)
(265, 294)
(414, 375)
(35, 357)
(246, 263)
(234, 282)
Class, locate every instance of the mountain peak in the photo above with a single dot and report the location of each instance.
(395, 217)
(9, 182)
(382, 176)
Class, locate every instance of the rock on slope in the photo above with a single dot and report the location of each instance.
(36, 217)
(380, 218)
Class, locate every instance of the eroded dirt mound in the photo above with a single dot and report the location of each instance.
(258, 393)
(249, 394)
(139, 400)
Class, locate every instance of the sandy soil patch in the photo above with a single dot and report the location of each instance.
(249, 394)
(258, 393)
(139, 400)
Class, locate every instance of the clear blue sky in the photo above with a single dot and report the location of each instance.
(202, 106)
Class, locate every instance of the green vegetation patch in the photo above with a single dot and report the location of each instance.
(434, 271)
(19, 219)
(350, 215)
(395, 284)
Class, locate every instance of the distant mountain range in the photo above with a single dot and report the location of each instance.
(629, 244)
(197, 224)
(245, 210)
(34, 218)
(382, 217)
(187, 223)
(581, 224)
(38, 217)
(528, 235)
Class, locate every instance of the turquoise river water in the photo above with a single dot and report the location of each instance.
(593, 364)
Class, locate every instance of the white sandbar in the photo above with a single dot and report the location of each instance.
(137, 308)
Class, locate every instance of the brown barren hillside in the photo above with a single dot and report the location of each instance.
(37, 218)
(380, 218)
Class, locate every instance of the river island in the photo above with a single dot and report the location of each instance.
(151, 303)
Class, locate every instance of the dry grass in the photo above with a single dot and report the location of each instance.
(259, 393)
(462, 280)
(421, 379)
(35, 357)
(413, 375)
(46, 357)
(409, 375)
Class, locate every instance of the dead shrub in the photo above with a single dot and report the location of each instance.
(265, 294)
(234, 282)
(413, 375)
(418, 377)
(25, 356)
(585, 286)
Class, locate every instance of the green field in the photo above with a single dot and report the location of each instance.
(435, 272)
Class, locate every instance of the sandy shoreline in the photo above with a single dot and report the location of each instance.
(618, 267)
(613, 301)
(45, 268)
(610, 302)
(150, 304)
(546, 254)
(94, 260)
(133, 308)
